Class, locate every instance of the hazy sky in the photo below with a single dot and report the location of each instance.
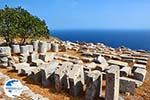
(88, 14)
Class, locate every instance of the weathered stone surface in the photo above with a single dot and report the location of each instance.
(18, 66)
(35, 45)
(138, 66)
(42, 47)
(127, 85)
(27, 70)
(94, 85)
(61, 76)
(64, 48)
(48, 46)
(37, 62)
(100, 60)
(125, 71)
(87, 54)
(55, 47)
(30, 48)
(47, 57)
(5, 50)
(16, 48)
(3, 60)
(23, 58)
(87, 59)
(32, 56)
(118, 63)
(90, 66)
(76, 80)
(141, 62)
(24, 49)
(140, 74)
(112, 83)
(47, 72)
(11, 62)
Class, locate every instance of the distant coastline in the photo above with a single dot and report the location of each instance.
(134, 39)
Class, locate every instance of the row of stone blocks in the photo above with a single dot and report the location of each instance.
(41, 47)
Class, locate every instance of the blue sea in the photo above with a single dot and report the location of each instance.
(137, 40)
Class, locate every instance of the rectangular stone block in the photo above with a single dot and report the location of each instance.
(140, 74)
(127, 85)
(18, 66)
(138, 66)
(125, 71)
(94, 85)
(112, 83)
(32, 56)
(15, 48)
(47, 57)
(27, 70)
(47, 72)
(5, 50)
(61, 76)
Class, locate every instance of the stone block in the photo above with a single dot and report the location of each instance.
(61, 76)
(47, 57)
(47, 72)
(18, 66)
(94, 85)
(23, 58)
(24, 50)
(100, 60)
(140, 74)
(35, 45)
(15, 48)
(32, 56)
(125, 71)
(54, 47)
(42, 47)
(127, 85)
(30, 48)
(5, 50)
(112, 83)
(76, 80)
(37, 62)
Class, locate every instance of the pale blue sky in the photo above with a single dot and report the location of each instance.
(88, 14)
